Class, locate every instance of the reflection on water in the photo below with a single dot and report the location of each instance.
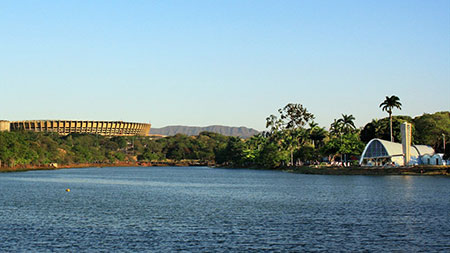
(80, 180)
(203, 209)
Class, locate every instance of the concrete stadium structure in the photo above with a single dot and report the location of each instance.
(4, 125)
(65, 127)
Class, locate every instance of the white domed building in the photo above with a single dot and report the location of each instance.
(380, 152)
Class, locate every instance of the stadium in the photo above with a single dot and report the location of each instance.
(65, 127)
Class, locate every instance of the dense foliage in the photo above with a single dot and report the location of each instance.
(379, 128)
(292, 138)
(427, 129)
(31, 148)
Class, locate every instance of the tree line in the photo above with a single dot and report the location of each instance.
(23, 148)
(292, 138)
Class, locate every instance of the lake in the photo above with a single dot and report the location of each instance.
(221, 210)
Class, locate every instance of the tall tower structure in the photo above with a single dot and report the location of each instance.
(406, 142)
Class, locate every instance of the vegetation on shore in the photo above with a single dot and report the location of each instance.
(292, 139)
(26, 148)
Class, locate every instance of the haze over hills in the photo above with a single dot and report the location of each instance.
(243, 132)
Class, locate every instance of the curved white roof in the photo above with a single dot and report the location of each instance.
(423, 149)
(394, 149)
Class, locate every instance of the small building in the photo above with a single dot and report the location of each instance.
(436, 159)
(380, 152)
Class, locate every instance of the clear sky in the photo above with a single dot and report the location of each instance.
(231, 63)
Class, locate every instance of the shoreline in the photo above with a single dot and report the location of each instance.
(102, 165)
(418, 170)
(421, 170)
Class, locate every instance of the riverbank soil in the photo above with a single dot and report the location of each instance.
(183, 163)
(317, 170)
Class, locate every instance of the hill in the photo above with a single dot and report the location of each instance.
(242, 132)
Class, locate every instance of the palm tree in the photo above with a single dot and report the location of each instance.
(336, 128)
(312, 126)
(293, 139)
(388, 104)
(317, 134)
(347, 124)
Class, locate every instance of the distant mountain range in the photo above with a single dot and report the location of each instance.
(242, 132)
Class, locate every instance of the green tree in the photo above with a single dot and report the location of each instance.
(152, 151)
(307, 152)
(430, 129)
(345, 145)
(120, 141)
(380, 129)
(316, 134)
(295, 116)
(387, 105)
(336, 128)
(347, 124)
(179, 147)
(232, 153)
(272, 157)
(288, 130)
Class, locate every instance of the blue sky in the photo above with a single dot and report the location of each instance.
(231, 63)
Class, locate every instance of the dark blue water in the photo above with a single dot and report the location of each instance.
(204, 209)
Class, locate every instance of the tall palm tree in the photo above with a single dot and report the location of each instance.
(317, 135)
(347, 123)
(388, 104)
(312, 126)
(336, 128)
(293, 139)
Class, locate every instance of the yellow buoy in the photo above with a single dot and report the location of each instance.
(67, 190)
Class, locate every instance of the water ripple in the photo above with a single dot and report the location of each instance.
(201, 209)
